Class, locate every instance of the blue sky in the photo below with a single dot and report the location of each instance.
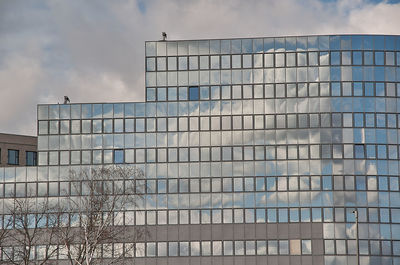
(93, 51)
(142, 6)
(387, 1)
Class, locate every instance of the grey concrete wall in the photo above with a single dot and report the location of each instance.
(235, 232)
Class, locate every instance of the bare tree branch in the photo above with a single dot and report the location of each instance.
(102, 194)
(30, 226)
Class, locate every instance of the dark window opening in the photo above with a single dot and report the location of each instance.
(118, 156)
(31, 158)
(13, 157)
(194, 93)
(359, 151)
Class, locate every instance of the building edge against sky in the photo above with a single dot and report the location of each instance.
(254, 150)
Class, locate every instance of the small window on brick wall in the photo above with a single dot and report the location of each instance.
(13, 157)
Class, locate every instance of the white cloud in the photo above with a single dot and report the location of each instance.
(378, 19)
(100, 87)
(19, 77)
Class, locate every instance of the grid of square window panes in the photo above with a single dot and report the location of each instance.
(310, 73)
(174, 69)
(194, 248)
(297, 130)
(276, 130)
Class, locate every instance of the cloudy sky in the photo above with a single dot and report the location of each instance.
(93, 51)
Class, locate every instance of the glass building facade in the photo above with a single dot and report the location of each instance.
(255, 151)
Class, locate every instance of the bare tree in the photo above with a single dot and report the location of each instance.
(95, 219)
(3, 233)
(29, 231)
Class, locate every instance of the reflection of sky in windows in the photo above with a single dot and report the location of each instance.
(305, 126)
